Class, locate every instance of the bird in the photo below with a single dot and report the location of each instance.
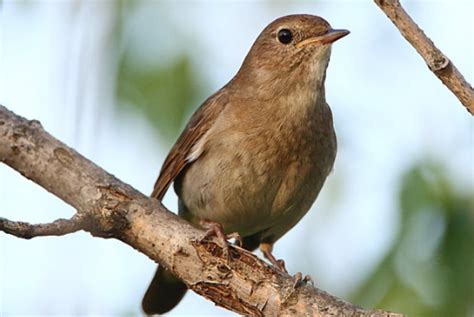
(254, 156)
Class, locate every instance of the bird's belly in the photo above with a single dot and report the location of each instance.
(252, 192)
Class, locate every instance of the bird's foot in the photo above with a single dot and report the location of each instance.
(299, 279)
(214, 229)
(237, 238)
(266, 249)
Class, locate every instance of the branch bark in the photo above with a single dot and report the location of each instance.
(106, 207)
(437, 62)
(58, 227)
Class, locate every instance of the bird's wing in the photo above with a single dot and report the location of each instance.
(181, 154)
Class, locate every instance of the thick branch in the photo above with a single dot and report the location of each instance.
(245, 284)
(438, 63)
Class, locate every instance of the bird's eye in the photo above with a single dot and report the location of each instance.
(285, 36)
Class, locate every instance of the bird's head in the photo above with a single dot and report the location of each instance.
(292, 50)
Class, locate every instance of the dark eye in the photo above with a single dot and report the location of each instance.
(285, 36)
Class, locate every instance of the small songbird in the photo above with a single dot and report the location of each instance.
(254, 156)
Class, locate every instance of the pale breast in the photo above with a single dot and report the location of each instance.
(259, 177)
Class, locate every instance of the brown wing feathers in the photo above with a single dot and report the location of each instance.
(198, 125)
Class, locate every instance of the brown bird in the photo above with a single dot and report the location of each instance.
(254, 156)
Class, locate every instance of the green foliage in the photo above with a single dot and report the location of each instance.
(162, 93)
(429, 271)
(162, 88)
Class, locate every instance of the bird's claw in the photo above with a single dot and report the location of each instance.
(300, 280)
(214, 229)
(280, 264)
(237, 238)
(307, 279)
(266, 249)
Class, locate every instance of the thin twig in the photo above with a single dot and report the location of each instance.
(438, 63)
(59, 227)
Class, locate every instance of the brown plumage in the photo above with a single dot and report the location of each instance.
(255, 155)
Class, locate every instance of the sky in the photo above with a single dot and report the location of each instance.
(389, 112)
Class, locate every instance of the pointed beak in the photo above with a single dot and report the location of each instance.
(328, 38)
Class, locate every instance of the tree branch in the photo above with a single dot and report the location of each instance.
(437, 62)
(107, 207)
(59, 227)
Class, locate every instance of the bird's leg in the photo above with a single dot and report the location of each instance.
(214, 229)
(266, 249)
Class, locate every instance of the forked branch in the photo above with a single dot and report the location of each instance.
(106, 207)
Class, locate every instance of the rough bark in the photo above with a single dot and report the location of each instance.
(108, 208)
(437, 62)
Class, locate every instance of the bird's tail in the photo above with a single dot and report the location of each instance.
(164, 293)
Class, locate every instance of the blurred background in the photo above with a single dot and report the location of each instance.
(393, 227)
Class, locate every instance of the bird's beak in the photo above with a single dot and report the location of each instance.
(330, 37)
